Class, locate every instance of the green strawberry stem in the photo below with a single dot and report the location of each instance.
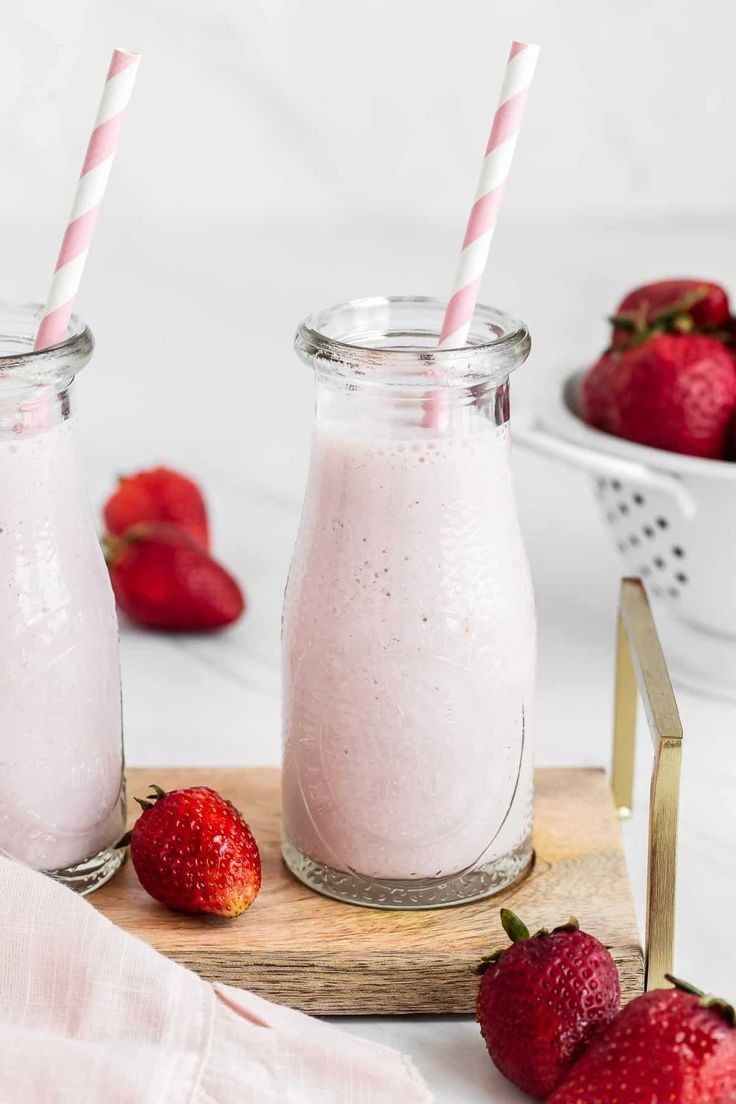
(629, 322)
(673, 319)
(722, 1007)
(518, 932)
(113, 546)
(573, 924)
(149, 801)
(684, 986)
(682, 306)
(110, 548)
(516, 929)
(145, 803)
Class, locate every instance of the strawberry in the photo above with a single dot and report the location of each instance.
(193, 851)
(160, 494)
(164, 579)
(669, 1046)
(673, 391)
(541, 1000)
(679, 306)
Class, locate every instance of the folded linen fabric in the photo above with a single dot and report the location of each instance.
(89, 1013)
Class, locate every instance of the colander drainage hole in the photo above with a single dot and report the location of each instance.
(639, 499)
(658, 562)
(677, 551)
(648, 531)
(663, 523)
(634, 541)
(623, 508)
(681, 577)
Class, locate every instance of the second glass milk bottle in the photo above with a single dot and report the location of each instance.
(409, 632)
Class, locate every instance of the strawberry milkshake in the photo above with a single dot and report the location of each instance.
(409, 638)
(61, 796)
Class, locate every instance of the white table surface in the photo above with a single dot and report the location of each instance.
(194, 368)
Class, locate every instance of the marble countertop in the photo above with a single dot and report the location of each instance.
(198, 372)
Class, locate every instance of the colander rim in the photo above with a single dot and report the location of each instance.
(673, 462)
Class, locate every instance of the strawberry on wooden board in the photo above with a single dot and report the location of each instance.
(193, 851)
(669, 1046)
(164, 579)
(673, 391)
(542, 999)
(159, 494)
(671, 306)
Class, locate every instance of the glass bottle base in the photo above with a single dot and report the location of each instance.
(424, 893)
(89, 875)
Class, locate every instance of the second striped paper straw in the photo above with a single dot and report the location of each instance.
(484, 212)
(87, 199)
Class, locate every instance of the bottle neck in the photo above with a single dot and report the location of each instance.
(29, 411)
(384, 410)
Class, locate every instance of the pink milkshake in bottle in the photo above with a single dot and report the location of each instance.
(62, 804)
(409, 633)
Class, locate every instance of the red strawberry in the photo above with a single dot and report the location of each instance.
(678, 306)
(541, 1000)
(159, 494)
(675, 392)
(669, 1046)
(193, 851)
(164, 579)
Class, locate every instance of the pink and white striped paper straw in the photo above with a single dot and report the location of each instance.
(87, 199)
(485, 209)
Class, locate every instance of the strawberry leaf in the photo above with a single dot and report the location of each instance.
(516, 929)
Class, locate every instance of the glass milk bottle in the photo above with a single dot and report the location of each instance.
(62, 801)
(409, 632)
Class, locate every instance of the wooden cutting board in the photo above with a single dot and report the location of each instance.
(307, 951)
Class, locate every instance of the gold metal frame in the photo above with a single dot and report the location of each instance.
(640, 665)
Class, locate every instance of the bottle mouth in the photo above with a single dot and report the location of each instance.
(393, 340)
(22, 366)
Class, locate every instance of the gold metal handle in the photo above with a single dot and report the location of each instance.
(640, 665)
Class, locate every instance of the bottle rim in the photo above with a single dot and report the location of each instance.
(27, 367)
(393, 340)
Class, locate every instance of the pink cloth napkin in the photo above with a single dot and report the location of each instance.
(89, 1013)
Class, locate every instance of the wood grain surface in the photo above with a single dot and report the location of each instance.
(304, 950)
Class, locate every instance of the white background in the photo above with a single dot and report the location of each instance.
(279, 156)
(374, 107)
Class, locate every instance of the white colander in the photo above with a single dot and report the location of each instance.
(672, 519)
